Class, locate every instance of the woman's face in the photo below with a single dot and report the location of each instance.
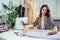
(44, 10)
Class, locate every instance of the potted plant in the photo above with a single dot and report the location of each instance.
(20, 20)
(20, 10)
(12, 13)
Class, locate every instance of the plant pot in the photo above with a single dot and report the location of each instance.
(19, 22)
(12, 25)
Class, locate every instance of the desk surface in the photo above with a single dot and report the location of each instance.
(42, 34)
(9, 35)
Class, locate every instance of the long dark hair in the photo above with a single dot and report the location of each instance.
(48, 11)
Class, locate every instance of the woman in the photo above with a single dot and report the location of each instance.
(31, 13)
(44, 21)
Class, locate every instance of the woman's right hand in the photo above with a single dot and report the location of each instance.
(25, 29)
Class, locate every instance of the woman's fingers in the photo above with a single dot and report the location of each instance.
(25, 28)
(52, 32)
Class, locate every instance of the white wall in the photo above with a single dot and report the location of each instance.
(59, 9)
(53, 5)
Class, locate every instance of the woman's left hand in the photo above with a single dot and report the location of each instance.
(52, 33)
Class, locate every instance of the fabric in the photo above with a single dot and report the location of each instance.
(48, 23)
(42, 34)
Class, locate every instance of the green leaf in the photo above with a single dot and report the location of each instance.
(5, 6)
(11, 5)
(13, 14)
(0, 16)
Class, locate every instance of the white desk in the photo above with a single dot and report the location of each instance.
(42, 34)
(9, 35)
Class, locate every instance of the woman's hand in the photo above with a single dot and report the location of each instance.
(26, 27)
(53, 31)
